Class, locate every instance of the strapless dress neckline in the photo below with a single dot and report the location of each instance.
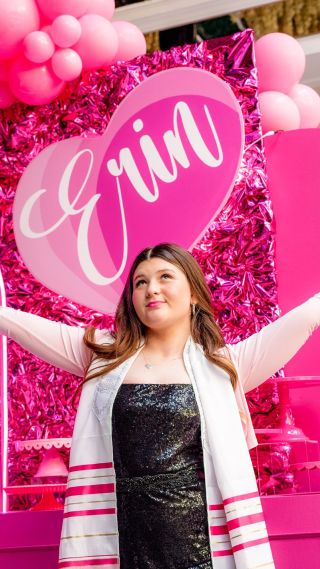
(167, 384)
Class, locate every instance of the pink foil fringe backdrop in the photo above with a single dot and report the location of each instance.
(236, 254)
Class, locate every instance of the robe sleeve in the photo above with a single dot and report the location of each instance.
(258, 357)
(54, 342)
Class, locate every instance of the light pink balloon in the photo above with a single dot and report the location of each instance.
(33, 83)
(308, 103)
(98, 43)
(280, 62)
(6, 95)
(66, 64)
(104, 8)
(131, 41)
(38, 46)
(54, 8)
(17, 19)
(65, 30)
(278, 111)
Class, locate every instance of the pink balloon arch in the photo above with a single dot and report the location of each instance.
(285, 103)
(45, 44)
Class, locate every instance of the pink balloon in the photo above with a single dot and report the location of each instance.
(131, 41)
(308, 103)
(278, 111)
(17, 19)
(44, 21)
(98, 43)
(54, 8)
(280, 62)
(5, 66)
(104, 8)
(34, 84)
(38, 46)
(66, 64)
(65, 30)
(46, 29)
(6, 95)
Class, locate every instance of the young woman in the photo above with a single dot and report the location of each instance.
(160, 475)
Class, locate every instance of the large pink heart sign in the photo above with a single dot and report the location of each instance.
(162, 171)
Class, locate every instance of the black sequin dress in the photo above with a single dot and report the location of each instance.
(161, 501)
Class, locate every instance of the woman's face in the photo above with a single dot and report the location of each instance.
(161, 294)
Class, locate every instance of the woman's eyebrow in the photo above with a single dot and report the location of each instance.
(160, 271)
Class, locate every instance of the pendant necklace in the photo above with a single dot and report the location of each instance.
(150, 366)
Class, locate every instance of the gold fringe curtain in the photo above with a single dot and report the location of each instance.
(153, 41)
(295, 17)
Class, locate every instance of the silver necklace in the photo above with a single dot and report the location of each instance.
(150, 366)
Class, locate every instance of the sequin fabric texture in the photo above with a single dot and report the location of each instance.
(161, 501)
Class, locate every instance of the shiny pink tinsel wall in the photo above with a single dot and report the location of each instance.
(236, 254)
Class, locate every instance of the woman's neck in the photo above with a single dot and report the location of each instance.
(166, 343)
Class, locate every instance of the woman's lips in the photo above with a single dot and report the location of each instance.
(154, 304)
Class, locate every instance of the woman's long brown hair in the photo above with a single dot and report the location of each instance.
(129, 331)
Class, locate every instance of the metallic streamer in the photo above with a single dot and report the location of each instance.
(236, 253)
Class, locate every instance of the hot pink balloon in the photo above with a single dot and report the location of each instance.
(66, 64)
(5, 66)
(131, 41)
(308, 103)
(46, 29)
(6, 95)
(17, 19)
(104, 8)
(44, 21)
(54, 8)
(280, 62)
(278, 111)
(65, 30)
(98, 43)
(34, 84)
(38, 46)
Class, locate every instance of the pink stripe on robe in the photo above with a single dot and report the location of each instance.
(91, 489)
(90, 512)
(88, 562)
(91, 466)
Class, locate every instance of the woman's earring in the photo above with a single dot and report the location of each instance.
(193, 310)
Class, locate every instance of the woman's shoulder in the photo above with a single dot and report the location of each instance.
(223, 351)
(103, 336)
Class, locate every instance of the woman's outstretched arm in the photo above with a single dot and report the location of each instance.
(262, 354)
(54, 342)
